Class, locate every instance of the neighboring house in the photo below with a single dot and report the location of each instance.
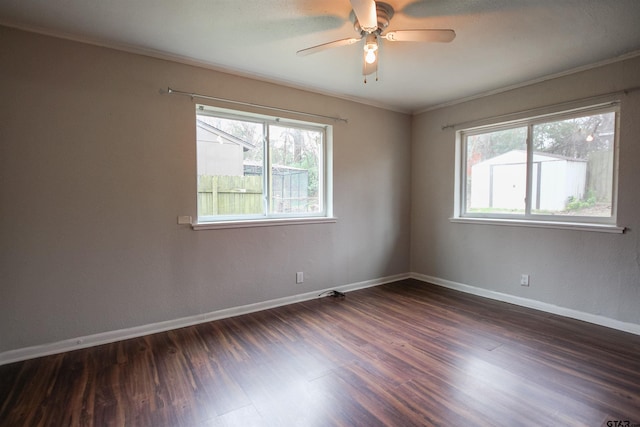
(219, 153)
(500, 182)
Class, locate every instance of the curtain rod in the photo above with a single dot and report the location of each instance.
(538, 109)
(249, 104)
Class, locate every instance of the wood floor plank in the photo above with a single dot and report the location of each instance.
(405, 353)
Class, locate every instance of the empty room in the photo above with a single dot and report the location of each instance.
(319, 213)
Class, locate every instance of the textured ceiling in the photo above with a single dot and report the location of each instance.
(499, 43)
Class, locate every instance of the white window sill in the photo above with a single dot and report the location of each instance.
(262, 223)
(603, 228)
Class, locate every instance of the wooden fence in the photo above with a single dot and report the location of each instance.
(228, 195)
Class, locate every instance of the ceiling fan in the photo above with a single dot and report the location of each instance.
(371, 18)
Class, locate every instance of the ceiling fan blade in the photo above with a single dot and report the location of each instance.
(324, 46)
(442, 36)
(365, 11)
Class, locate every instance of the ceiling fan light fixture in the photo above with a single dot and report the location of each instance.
(371, 57)
(370, 48)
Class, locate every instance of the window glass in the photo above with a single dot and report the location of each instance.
(559, 167)
(296, 169)
(497, 171)
(252, 167)
(573, 166)
(230, 155)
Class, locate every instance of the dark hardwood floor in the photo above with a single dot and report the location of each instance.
(401, 354)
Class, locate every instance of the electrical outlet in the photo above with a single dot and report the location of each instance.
(299, 277)
(524, 280)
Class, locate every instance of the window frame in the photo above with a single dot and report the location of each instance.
(268, 218)
(528, 218)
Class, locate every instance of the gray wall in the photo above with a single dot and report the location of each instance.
(96, 166)
(593, 273)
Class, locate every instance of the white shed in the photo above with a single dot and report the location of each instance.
(500, 182)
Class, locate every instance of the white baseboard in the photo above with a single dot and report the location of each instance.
(526, 302)
(138, 331)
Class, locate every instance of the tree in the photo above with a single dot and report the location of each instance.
(485, 146)
(577, 137)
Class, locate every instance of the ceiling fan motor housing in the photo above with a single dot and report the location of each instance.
(384, 13)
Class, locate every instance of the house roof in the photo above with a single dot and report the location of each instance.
(520, 156)
(224, 136)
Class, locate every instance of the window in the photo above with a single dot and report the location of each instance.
(554, 168)
(253, 167)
